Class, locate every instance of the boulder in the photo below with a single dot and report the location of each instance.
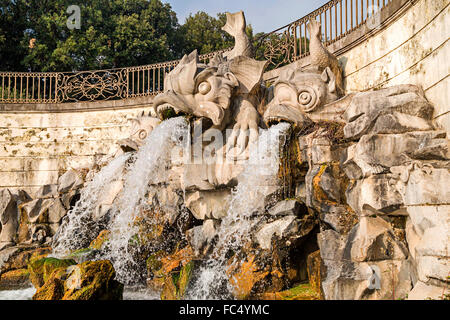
(282, 227)
(208, 204)
(366, 109)
(199, 236)
(372, 239)
(9, 219)
(376, 153)
(19, 257)
(288, 208)
(47, 191)
(14, 279)
(427, 186)
(315, 269)
(90, 280)
(422, 291)
(376, 194)
(70, 180)
(41, 269)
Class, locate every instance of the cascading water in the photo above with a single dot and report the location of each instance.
(76, 230)
(254, 183)
(149, 167)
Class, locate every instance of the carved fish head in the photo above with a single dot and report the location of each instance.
(207, 90)
(196, 89)
(141, 127)
(297, 93)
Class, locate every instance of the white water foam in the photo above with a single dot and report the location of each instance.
(74, 230)
(149, 167)
(254, 183)
(21, 294)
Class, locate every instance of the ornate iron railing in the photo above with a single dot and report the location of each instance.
(338, 18)
(95, 85)
(282, 46)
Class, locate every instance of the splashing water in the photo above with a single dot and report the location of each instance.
(254, 184)
(149, 167)
(75, 232)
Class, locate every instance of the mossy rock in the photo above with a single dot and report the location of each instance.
(41, 269)
(175, 284)
(53, 288)
(14, 279)
(101, 239)
(183, 279)
(90, 280)
(300, 292)
(94, 281)
(154, 262)
(82, 255)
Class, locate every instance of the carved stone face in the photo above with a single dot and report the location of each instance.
(298, 93)
(197, 89)
(141, 127)
(208, 90)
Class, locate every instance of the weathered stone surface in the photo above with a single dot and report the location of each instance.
(56, 212)
(14, 279)
(199, 236)
(376, 153)
(373, 240)
(427, 185)
(424, 217)
(280, 228)
(397, 122)
(432, 267)
(422, 291)
(376, 194)
(5, 255)
(42, 269)
(367, 107)
(90, 280)
(353, 281)
(106, 199)
(18, 257)
(70, 180)
(315, 271)
(47, 191)
(9, 219)
(208, 204)
(288, 208)
(340, 218)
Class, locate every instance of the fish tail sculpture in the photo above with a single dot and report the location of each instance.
(321, 57)
(236, 26)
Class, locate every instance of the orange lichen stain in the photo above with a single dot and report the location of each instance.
(179, 258)
(318, 192)
(245, 277)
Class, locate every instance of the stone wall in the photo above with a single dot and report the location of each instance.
(36, 146)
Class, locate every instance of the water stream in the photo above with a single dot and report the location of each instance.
(254, 183)
(149, 166)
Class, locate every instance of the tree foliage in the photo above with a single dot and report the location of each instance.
(114, 33)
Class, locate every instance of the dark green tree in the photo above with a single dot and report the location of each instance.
(13, 23)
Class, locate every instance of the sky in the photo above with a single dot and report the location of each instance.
(263, 15)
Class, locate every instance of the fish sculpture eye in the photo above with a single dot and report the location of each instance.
(204, 87)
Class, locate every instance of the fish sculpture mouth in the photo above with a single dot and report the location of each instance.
(277, 113)
(167, 111)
